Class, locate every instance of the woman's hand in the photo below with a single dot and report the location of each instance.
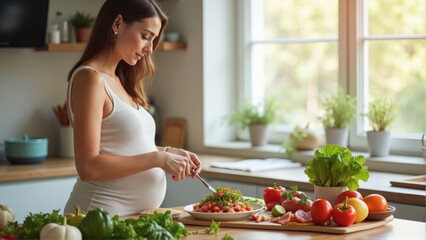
(190, 159)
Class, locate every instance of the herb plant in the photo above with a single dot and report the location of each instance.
(295, 138)
(256, 114)
(340, 110)
(381, 113)
(82, 20)
(214, 227)
(334, 166)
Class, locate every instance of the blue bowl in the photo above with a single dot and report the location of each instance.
(26, 150)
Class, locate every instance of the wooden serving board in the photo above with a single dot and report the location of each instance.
(185, 218)
(418, 182)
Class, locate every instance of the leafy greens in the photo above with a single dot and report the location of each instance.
(334, 166)
(158, 226)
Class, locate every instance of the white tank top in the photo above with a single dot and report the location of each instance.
(125, 131)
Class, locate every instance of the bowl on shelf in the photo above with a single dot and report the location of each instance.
(26, 150)
(381, 215)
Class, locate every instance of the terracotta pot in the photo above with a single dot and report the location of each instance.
(328, 193)
(82, 34)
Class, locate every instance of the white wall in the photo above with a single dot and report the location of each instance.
(32, 82)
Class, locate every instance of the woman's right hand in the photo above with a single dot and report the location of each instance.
(176, 165)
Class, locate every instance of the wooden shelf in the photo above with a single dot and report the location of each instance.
(79, 47)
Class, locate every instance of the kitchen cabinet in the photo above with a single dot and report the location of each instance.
(79, 47)
(36, 195)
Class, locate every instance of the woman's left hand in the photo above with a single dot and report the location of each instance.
(193, 159)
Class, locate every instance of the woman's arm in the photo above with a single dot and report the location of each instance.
(89, 104)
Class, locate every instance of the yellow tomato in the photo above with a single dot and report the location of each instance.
(361, 209)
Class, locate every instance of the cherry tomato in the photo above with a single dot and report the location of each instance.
(344, 214)
(361, 209)
(376, 203)
(273, 194)
(349, 194)
(321, 211)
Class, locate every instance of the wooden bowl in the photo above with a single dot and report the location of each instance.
(381, 215)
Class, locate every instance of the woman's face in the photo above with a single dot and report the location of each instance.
(135, 41)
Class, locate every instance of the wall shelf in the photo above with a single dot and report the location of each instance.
(79, 47)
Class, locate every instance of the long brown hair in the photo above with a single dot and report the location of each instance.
(102, 38)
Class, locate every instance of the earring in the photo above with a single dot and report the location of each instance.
(115, 35)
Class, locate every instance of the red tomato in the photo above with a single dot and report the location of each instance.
(349, 194)
(273, 194)
(321, 211)
(343, 214)
(376, 203)
(294, 204)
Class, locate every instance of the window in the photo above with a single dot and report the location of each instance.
(302, 50)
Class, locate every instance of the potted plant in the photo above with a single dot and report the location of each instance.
(256, 118)
(82, 23)
(333, 169)
(381, 114)
(340, 110)
(301, 139)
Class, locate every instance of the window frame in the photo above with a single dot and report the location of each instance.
(352, 71)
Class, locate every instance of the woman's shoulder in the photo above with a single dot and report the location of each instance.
(88, 76)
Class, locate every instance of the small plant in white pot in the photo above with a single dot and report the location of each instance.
(256, 117)
(340, 110)
(381, 113)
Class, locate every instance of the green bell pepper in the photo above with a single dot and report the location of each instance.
(97, 224)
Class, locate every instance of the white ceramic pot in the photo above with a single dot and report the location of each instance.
(337, 136)
(66, 142)
(328, 193)
(258, 134)
(378, 143)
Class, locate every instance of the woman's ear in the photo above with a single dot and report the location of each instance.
(117, 23)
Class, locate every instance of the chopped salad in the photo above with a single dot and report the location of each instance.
(225, 200)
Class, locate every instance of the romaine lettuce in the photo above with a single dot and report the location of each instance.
(334, 166)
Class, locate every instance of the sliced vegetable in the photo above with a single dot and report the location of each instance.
(334, 166)
(60, 231)
(6, 216)
(97, 225)
(344, 214)
(303, 217)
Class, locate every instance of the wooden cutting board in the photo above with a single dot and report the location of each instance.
(185, 218)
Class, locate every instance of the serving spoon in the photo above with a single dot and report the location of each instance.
(204, 182)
